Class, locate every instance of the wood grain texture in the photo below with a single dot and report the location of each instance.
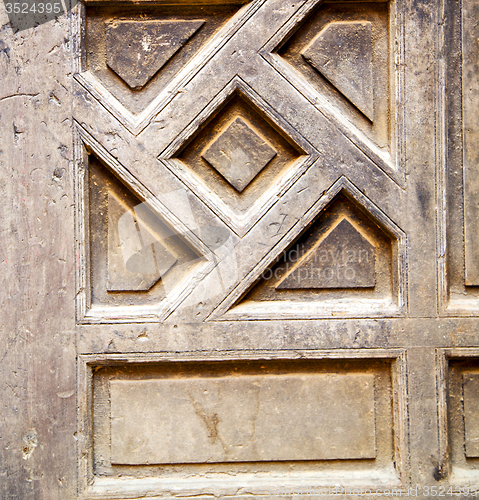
(37, 327)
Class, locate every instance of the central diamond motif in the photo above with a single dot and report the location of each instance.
(239, 154)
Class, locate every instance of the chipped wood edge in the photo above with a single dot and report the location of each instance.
(84, 434)
(401, 417)
(82, 247)
(441, 169)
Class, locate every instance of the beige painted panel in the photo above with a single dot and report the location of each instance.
(471, 413)
(242, 419)
(470, 47)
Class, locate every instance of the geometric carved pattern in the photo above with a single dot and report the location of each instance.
(342, 52)
(131, 46)
(344, 259)
(239, 154)
(343, 252)
(339, 56)
(135, 256)
(186, 419)
(136, 50)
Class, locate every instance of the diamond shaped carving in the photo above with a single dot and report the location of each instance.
(239, 154)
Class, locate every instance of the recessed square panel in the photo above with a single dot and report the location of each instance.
(195, 423)
(242, 416)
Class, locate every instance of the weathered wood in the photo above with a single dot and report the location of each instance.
(170, 171)
(37, 328)
(470, 69)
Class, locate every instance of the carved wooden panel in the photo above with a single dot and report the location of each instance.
(235, 167)
(136, 50)
(237, 243)
(344, 57)
(195, 156)
(343, 53)
(131, 48)
(457, 185)
(317, 418)
(342, 259)
(136, 262)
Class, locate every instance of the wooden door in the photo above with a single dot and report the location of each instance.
(238, 244)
